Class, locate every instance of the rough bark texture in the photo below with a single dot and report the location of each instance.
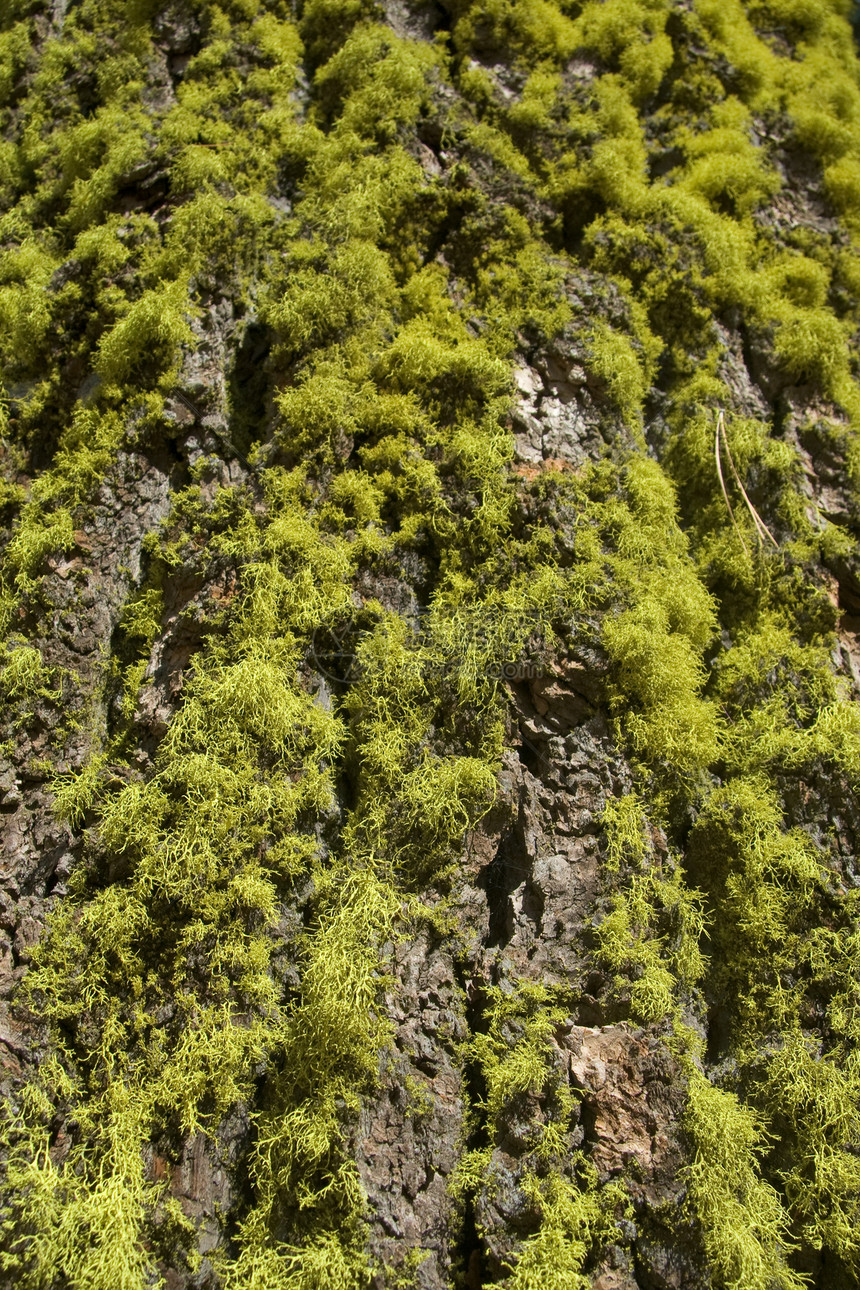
(431, 596)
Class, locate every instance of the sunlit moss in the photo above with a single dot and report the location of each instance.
(87, 1226)
(529, 28)
(154, 327)
(746, 1228)
(630, 36)
(815, 1095)
(575, 1220)
(651, 937)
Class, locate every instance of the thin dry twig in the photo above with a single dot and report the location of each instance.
(717, 459)
(761, 528)
(762, 531)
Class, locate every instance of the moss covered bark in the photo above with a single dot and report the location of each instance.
(366, 368)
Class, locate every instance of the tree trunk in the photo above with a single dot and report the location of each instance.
(430, 596)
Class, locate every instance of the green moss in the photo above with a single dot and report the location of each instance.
(153, 330)
(814, 1095)
(319, 309)
(576, 1216)
(763, 882)
(626, 830)
(841, 181)
(744, 1224)
(651, 937)
(524, 1066)
(23, 674)
(375, 84)
(324, 1261)
(630, 36)
(326, 23)
(37, 536)
(574, 1221)
(24, 275)
(142, 616)
(173, 848)
(532, 28)
(655, 639)
(14, 48)
(88, 1227)
(613, 359)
